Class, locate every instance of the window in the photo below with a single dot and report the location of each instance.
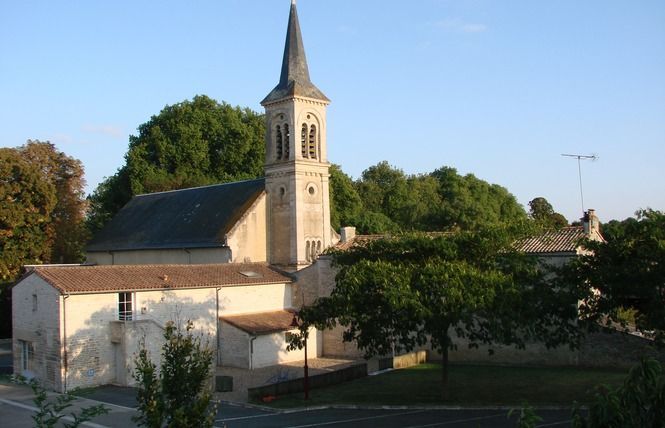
(278, 142)
(287, 138)
(312, 142)
(27, 355)
(303, 141)
(125, 307)
(34, 303)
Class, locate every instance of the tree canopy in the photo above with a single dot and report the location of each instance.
(543, 212)
(392, 201)
(188, 144)
(626, 271)
(66, 228)
(399, 293)
(25, 213)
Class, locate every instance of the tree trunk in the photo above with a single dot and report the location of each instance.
(445, 345)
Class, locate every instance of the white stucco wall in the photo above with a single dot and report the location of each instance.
(97, 355)
(270, 349)
(256, 298)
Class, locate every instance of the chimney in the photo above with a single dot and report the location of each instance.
(591, 222)
(347, 234)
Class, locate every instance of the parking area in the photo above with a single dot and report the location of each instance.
(16, 407)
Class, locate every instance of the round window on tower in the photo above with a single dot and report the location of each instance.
(311, 189)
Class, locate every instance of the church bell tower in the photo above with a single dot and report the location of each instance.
(296, 166)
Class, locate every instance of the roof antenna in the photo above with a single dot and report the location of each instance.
(591, 157)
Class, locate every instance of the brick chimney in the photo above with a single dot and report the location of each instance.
(591, 222)
(347, 234)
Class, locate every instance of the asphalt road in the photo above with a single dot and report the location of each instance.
(16, 407)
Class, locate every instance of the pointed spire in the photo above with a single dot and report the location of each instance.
(294, 79)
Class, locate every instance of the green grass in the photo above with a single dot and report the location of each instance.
(469, 385)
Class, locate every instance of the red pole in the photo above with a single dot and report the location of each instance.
(306, 372)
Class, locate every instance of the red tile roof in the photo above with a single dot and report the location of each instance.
(564, 240)
(99, 279)
(261, 322)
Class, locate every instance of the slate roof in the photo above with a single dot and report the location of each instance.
(294, 79)
(117, 278)
(261, 322)
(198, 217)
(565, 240)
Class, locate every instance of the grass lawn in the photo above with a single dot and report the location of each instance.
(469, 385)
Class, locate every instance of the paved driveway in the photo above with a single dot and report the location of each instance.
(16, 407)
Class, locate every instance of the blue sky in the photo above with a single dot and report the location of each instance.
(495, 88)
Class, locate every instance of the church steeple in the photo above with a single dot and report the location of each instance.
(296, 165)
(294, 79)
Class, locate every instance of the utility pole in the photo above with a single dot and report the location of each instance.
(579, 170)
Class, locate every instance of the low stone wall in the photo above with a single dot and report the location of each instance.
(316, 381)
(605, 348)
(617, 349)
(397, 362)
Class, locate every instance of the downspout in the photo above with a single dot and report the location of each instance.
(217, 325)
(251, 352)
(64, 340)
(189, 255)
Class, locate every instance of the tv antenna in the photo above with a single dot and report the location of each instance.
(580, 158)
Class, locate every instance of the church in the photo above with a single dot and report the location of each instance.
(237, 259)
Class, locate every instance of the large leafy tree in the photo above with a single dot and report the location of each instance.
(543, 212)
(400, 293)
(66, 228)
(626, 271)
(468, 202)
(191, 143)
(345, 203)
(27, 201)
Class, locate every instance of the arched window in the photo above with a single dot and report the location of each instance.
(312, 142)
(313, 249)
(318, 247)
(278, 143)
(303, 140)
(307, 251)
(287, 139)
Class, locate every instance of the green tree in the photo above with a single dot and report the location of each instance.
(638, 403)
(543, 212)
(627, 271)
(66, 228)
(51, 412)
(345, 203)
(26, 205)
(177, 395)
(191, 143)
(469, 203)
(400, 293)
(384, 189)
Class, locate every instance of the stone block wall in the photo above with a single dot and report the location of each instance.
(35, 317)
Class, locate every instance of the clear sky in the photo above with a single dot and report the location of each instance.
(494, 88)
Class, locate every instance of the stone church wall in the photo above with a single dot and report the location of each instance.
(194, 256)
